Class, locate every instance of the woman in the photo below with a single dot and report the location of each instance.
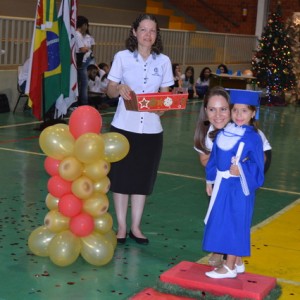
(188, 81)
(214, 115)
(141, 68)
(177, 75)
(202, 83)
(222, 69)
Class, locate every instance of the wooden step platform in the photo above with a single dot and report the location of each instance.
(190, 275)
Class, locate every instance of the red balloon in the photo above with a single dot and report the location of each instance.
(51, 165)
(58, 186)
(85, 119)
(82, 224)
(69, 205)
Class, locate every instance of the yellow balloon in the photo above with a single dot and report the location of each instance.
(51, 202)
(96, 249)
(111, 237)
(97, 169)
(56, 141)
(70, 168)
(89, 147)
(96, 205)
(39, 240)
(116, 146)
(55, 221)
(64, 248)
(104, 223)
(83, 187)
(102, 186)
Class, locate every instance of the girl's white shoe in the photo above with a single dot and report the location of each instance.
(229, 274)
(240, 268)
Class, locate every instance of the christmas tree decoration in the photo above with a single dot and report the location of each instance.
(272, 63)
(293, 29)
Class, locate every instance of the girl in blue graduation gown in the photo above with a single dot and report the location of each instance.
(233, 173)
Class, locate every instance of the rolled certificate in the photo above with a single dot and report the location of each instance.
(239, 152)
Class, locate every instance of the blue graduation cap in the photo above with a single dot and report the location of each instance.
(247, 97)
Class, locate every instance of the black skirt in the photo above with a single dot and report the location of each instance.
(136, 173)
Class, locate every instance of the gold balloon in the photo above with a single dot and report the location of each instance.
(51, 202)
(70, 168)
(89, 147)
(111, 237)
(96, 249)
(64, 248)
(116, 146)
(104, 223)
(55, 221)
(83, 187)
(39, 240)
(96, 205)
(56, 141)
(102, 186)
(97, 169)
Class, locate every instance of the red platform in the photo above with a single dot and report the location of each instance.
(150, 293)
(191, 276)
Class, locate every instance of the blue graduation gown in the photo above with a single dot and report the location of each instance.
(228, 226)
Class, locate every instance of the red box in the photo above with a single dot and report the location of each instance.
(157, 101)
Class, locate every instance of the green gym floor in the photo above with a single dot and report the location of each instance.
(173, 217)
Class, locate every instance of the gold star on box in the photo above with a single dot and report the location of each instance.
(144, 103)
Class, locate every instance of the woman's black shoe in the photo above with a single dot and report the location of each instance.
(138, 240)
(121, 241)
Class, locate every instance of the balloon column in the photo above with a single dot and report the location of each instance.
(78, 161)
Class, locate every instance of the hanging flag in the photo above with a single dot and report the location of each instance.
(43, 86)
(38, 60)
(52, 77)
(67, 16)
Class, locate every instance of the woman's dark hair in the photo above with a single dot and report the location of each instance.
(224, 67)
(203, 124)
(81, 20)
(132, 43)
(102, 65)
(202, 73)
(192, 78)
(92, 67)
(174, 66)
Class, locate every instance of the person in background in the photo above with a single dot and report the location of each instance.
(177, 75)
(23, 75)
(141, 68)
(96, 95)
(103, 69)
(103, 73)
(214, 115)
(234, 172)
(222, 69)
(202, 83)
(84, 44)
(188, 81)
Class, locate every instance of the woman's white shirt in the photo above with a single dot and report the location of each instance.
(142, 76)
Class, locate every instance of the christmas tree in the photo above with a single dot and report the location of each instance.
(293, 29)
(272, 63)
